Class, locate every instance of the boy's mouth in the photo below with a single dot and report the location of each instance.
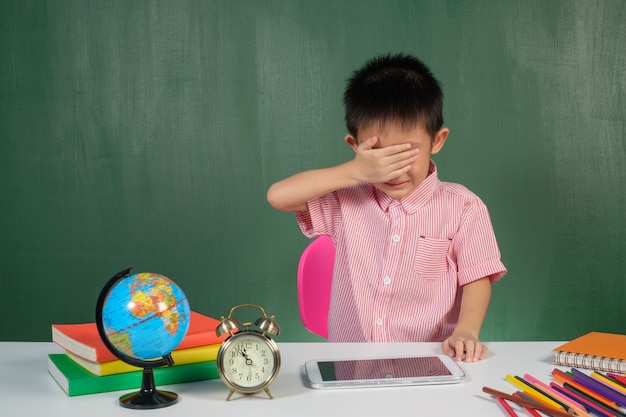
(396, 185)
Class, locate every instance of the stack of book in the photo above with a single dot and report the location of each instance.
(88, 367)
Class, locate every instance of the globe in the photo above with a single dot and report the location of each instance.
(141, 319)
(145, 315)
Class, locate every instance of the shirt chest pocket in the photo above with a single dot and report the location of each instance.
(431, 258)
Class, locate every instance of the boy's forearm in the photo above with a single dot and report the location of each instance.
(292, 193)
(474, 304)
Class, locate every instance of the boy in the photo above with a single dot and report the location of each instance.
(415, 257)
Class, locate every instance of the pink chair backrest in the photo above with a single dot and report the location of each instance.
(315, 275)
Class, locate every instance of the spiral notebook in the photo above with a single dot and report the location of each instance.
(595, 350)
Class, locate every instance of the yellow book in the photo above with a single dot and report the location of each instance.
(181, 357)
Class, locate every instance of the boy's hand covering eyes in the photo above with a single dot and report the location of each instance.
(377, 165)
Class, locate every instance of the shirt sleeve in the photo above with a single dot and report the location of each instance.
(476, 248)
(321, 216)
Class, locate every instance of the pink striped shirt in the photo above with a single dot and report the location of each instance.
(399, 264)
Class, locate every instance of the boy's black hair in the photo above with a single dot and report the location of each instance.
(393, 88)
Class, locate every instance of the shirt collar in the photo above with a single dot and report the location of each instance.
(418, 197)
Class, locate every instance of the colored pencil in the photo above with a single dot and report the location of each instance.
(598, 387)
(562, 375)
(620, 379)
(589, 406)
(565, 402)
(541, 400)
(605, 379)
(585, 394)
(530, 411)
(564, 378)
(523, 402)
(507, 408)
(533, 392)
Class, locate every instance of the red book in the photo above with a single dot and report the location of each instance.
(83, 339)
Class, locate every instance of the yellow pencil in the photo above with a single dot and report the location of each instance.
(610, 383)
(532, 392)
(542, 399)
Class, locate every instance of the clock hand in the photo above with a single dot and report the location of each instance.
(245, 355)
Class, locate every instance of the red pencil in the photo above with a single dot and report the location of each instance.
(506, 406)
(536, 406)
(621, 379)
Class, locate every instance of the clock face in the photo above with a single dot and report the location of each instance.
(248, 361)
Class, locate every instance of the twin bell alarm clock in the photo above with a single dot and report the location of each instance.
(248, 360)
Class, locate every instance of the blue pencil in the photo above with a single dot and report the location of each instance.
(597, 403)
(590, 406)
(599, 387)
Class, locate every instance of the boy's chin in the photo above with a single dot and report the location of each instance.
(396, 194)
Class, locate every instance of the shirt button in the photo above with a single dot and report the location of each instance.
(396, 238)
(379, 322)
(387, 281)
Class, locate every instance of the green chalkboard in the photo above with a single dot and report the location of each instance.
(147, 134)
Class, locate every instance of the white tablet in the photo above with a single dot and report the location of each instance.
(383, 372)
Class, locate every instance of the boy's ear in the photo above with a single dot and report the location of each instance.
(351, 140)
(439, 140)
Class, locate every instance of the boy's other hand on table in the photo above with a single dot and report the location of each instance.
(464, 346)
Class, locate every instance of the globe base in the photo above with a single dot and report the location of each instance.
(148, 397)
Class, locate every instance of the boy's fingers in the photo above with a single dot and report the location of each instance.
(480, 355)
(469, 351)
(368, 143)
(403, 148)
(459, 348)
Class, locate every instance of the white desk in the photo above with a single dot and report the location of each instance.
(26, 389)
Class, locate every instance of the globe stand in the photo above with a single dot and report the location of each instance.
(148, 397)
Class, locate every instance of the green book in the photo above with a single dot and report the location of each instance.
(76, 380)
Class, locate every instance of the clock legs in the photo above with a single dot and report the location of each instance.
(266, 389)
(230, 393)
